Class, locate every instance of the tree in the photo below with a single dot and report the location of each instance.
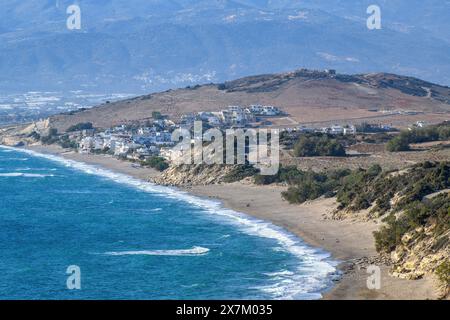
(312, 146)
(157, 163)
(80, 126)
(399, 143)
(157, 115)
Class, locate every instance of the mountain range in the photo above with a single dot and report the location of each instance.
(151, 45)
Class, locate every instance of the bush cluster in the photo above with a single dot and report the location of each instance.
(240, 172)
(318, 145)
(416, 214)
(419, 135)
(157, 163)
(80, 126)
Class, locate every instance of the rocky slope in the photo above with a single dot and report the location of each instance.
(189, 175)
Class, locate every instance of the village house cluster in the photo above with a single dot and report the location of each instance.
(140, 142)
(334, 129)
(155, 138)
(233, 116)
(128, 141)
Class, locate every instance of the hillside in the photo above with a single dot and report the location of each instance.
(307, 96)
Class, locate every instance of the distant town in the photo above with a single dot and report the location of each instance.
(154, 138)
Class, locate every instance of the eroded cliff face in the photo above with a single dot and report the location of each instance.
(421, 252)
(20, 135)
(189, 175)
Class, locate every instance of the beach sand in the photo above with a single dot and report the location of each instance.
(347, 241)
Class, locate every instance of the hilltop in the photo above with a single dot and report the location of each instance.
(306, 96)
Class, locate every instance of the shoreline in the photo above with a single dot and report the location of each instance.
(349, 242)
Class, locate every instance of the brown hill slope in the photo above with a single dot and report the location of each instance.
(307, 96)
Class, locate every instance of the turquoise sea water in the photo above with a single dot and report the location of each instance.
(135, 240)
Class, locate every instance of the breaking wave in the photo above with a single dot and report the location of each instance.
(195, 251)
(315, 272)
(25, 175)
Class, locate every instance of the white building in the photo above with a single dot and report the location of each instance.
(350, 130)
(270, 111)
(121, 148)
(336, 129)
(264, 110)
(256, 109)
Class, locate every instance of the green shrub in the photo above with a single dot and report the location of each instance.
(289, 175)
(390, 235)
(318, 145)
(80, 126)
(240, 172)
(66, 143)
(265, 180)
(399, 143)
(417, 214)
(443, 273)
(157, 163)
(310, 185)
(419, 135)
(157, 115)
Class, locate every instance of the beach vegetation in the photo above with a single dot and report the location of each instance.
(66, 143)
(51, 137)
(434, 213)
(240, 172)
(309, 185)
(443, 274)
(157, 163)
(365, 188)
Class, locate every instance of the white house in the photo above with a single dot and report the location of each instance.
(270, 111)
(256, 109)
(350, 130)
(121, 148)
(336, 129)
(86, 144)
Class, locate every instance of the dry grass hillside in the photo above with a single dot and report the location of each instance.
(306, 96)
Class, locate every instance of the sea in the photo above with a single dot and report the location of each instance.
(70, 230)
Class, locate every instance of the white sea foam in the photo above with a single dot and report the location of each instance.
(35, 169)
(315, 270)
(25, 175)
(14, 159)
(195, 251)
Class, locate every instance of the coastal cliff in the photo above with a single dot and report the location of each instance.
(413, 233)
(192, 175)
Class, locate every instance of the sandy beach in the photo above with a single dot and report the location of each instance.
(349, 242)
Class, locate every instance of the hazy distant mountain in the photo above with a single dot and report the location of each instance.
(155, 44)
